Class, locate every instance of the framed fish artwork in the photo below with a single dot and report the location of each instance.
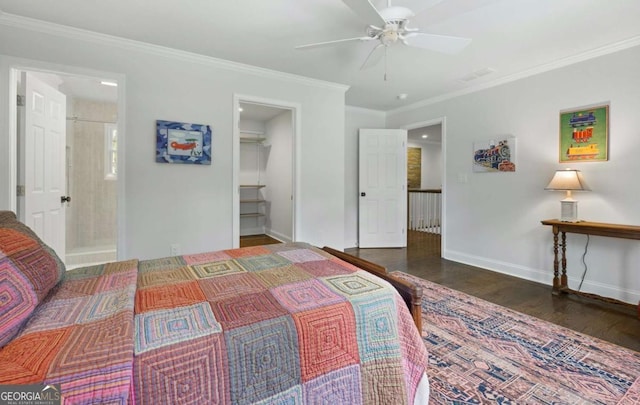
(179, 142)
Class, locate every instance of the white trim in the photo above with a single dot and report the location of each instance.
(13, 66)
(421, 124)
(443, 212)
(31, 24)
(296, 116)
(540, 276)
(121, 243)
(12, 121)
(278, 236)
(12, 20)
(569, 60)
(368, 111)
(499, 266)
(426, 142)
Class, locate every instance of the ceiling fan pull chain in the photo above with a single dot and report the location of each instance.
(385, 63)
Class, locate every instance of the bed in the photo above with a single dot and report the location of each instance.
(286, 323)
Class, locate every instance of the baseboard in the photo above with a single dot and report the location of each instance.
(244, 231)
(278, 235)
(89, 257)
(541, 276)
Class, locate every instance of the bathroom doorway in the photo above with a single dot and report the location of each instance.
(88, 161)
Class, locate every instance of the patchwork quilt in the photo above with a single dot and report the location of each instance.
(80, 336)
(271, 324)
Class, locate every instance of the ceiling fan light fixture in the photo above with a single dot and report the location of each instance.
(390, 25)
(389, 37)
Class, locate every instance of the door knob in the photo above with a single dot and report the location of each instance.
(363, 194)
(65, 199)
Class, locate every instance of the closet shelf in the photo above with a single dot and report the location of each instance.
(253, 201)
(248, 136)
(246, 139)
(251, 214)
(252, 185)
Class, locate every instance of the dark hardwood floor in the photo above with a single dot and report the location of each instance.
(256, 240)
(610, 322)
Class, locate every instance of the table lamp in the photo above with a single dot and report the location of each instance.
(568, 180)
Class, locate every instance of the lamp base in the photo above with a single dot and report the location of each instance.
(569, 211)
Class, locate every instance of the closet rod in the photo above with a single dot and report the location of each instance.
(76, 119)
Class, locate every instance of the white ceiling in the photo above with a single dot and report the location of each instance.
(259, 112)
(512, 37)
(433, 132)
(80, 87)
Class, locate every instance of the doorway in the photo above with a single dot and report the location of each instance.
(426, 178)
(265, 171)
(89, 161)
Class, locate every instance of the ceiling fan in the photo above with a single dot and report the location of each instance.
(389, 26)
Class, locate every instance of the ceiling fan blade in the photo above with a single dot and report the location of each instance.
(366, 11)
(331, 43)
(374, 57)
(439, 43)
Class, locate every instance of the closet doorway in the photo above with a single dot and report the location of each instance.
(266, 134)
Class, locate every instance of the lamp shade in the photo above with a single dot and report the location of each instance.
(569, 180)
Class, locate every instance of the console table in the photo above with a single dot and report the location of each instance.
(587, 228)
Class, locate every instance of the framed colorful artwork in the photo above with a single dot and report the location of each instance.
(584, 135)
(495, 155)
(179, 142)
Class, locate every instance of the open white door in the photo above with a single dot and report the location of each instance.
(42, 161)
(382, 183)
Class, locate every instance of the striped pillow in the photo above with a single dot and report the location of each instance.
(28, 270)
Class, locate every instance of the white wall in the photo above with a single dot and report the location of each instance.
(431, 164)
(185, 204)
(355, 119)
(279, 179)
(251, 126)
(251, 154)
(493, 219)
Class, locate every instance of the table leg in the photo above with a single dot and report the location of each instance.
(563, 277)
(556, 278)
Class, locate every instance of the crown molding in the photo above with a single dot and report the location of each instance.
(31, 24)
(367, 111)
(570, 60)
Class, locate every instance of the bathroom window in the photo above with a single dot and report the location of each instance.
(111, 151)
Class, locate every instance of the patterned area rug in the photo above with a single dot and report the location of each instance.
(482, 353)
